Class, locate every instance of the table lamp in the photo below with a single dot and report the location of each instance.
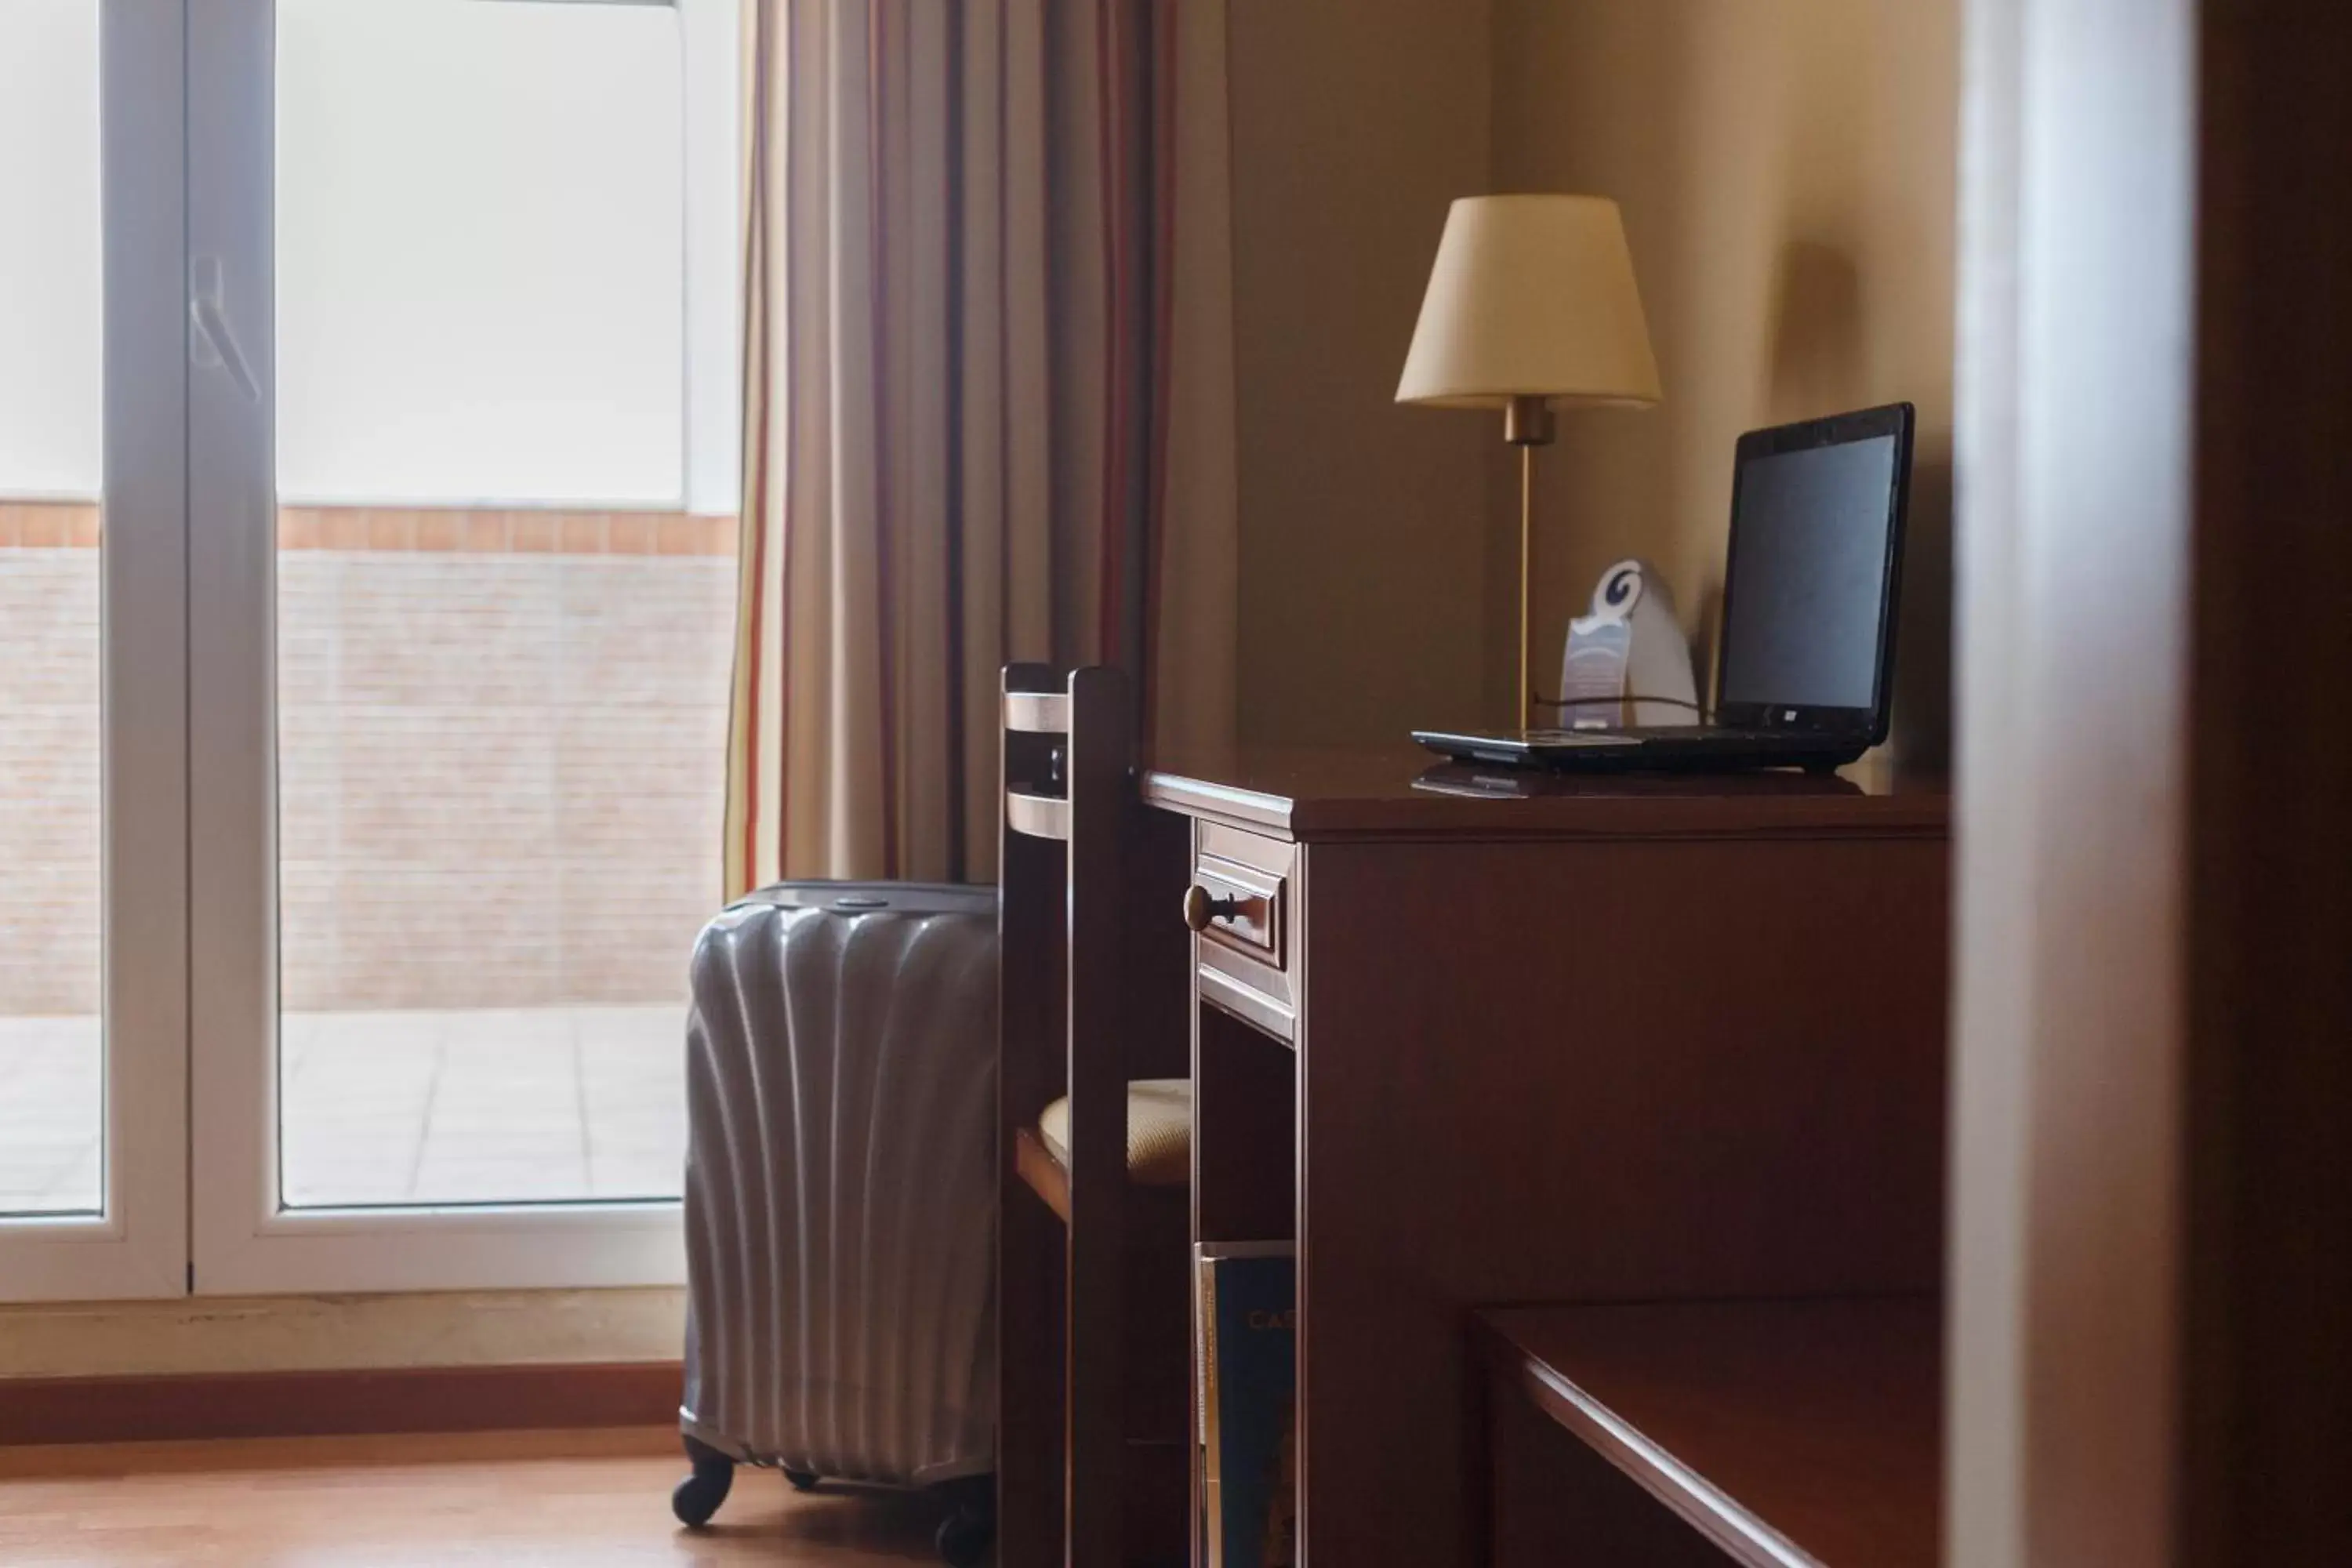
(1531, 302)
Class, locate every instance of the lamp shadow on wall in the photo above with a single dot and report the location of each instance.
(1819, 365)
(1816, 365)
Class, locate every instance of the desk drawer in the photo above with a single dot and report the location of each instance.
(1247, 943)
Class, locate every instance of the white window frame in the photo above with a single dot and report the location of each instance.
(245, 1241)
(712, 32)
(191, 1022)
(138, 1245)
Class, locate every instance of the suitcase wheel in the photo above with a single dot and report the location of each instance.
(969, 1528)
(963, 1540)
(802, 1481)
(698, 1496)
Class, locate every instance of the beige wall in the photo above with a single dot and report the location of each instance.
(1787, 170)
(1354, 122)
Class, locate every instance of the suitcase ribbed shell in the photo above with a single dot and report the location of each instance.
(840, 1190)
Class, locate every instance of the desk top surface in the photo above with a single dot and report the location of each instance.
(1791, 1433)
(1405, 792)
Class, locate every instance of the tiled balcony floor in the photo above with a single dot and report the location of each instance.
(397, 1107)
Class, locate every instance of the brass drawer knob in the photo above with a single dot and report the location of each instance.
(1199, 908)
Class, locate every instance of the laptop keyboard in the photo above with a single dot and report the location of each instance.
(1623, 732)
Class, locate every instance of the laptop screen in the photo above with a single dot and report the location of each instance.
(1806, 583)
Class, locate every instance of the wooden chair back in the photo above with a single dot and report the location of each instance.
(1095, 993)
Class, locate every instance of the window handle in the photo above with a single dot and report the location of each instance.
(213, 341)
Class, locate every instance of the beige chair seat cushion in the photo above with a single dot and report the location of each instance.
(1158, 1131)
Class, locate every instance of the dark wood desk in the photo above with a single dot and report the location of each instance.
(1480, 1039)
(1765, 1434)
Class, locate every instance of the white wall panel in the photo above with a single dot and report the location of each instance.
(481, 253)
(49, 273)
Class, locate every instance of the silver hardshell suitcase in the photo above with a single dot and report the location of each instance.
(840, 1194)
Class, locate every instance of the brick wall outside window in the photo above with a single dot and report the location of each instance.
(501, 755)
(48, 764)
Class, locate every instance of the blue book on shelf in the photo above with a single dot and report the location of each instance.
(1249, 1377)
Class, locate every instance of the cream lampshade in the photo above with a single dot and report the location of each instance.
(1531, 301)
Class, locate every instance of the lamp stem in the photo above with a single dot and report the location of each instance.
(1527, 425)
(1527, 578)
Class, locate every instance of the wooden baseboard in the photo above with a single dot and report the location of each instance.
(338, 1403)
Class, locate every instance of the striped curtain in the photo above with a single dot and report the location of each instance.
(988, 406)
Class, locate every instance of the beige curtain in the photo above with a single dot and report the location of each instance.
(988, 406)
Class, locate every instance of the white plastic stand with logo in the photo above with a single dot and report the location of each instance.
(1627, 661)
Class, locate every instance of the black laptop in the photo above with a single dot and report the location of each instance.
(1804, 671)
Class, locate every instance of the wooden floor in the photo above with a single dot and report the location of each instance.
(580, 1500)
